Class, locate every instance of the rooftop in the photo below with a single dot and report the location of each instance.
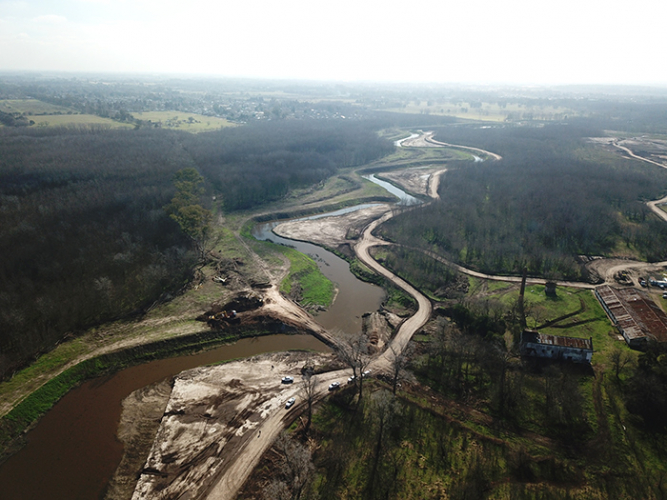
(541, 338)
(635, 312)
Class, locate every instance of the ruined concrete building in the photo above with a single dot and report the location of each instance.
(637, 317)
(540, 345)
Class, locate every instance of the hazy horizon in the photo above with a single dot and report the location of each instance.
(481, 42)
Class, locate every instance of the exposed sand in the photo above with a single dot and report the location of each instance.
(212, 414)
(331, 231)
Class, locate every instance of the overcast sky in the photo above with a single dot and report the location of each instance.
(477, 41)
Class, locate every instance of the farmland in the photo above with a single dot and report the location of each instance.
(189, 122)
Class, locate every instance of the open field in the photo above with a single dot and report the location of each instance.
(190, 122)
(65, 120)
(486, 111)
(31, 107)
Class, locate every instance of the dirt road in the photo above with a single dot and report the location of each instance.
(257, 433)
(428, 138)
(653, 205)
(231, 479)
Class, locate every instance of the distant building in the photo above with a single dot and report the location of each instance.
(535, 344)
(637, 317)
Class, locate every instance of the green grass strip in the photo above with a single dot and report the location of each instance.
(39, 402)
(316, 288)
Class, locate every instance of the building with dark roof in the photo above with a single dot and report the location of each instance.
(637, 317)
(535, 344)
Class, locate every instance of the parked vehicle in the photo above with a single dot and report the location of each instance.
(351, 379)
(287, 380)
(366, 373)
(334, 385)
(290, 403)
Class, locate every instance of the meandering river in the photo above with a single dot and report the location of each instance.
(73, 450)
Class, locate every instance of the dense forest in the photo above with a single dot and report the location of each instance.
(263, 162)
(83, 230)
(552, 197)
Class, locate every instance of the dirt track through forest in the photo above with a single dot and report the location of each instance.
(247, 456)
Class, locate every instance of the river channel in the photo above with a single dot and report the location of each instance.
(354, 297)
(73, 451)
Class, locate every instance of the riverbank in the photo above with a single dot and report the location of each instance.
(14, 424)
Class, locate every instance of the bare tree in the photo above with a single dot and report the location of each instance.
(399, 360)
(296, 469)
(309, 390)
(384, 410)
(277, 490)
(353, 351)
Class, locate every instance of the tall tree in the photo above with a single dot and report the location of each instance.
(185, 208)
(353, 351)
(309, 389)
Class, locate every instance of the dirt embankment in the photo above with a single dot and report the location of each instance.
(140, 420)
(213, 413)
(331, 232)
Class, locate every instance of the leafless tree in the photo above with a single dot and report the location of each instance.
(309, 390)
(353, 351)
(277, 490)
(296, 470)
(384, 409)
(399, 360)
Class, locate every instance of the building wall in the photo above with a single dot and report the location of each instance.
(557, 352)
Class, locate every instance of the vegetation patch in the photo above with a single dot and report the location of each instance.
(75, 120)
(32, 107)
(435, 279)
(305, 282)
(40, 401)
(396, 447)
(189, 122)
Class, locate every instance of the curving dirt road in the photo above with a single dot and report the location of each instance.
(428, 137)
(424, 308)
(653, 205)
(238, 468)
(235, 474)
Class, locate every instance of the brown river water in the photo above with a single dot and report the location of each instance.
(73, 451)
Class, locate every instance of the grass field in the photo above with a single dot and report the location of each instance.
(486, 111)
(190, 122)
(31, 107)
(65, 120)
(315, 288)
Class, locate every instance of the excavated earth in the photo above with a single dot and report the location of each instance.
(331, 232)
(211, 414)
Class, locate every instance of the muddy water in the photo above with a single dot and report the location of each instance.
(354, 296)
(73, 451)
(404, 198)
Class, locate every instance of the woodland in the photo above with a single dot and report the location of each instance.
(84, 230)
(552, 197)
(93, 227)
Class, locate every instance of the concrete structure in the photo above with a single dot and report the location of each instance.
(555, 347)
(637, 317)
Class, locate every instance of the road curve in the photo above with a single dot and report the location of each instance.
(236, 473)
(428, 137)
(424, 307)
(653, 205)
